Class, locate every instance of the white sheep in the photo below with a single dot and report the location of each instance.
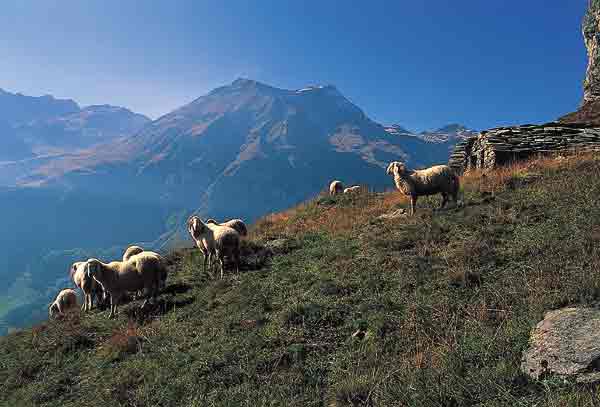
(439, 179)
(237, 224)
(131, 251)
(147, 253)
(200, 243)
(218, 241)
(135, 250)
(140, 272)
(353, 190)
(90, 288)
(336, 187)
(66, 300)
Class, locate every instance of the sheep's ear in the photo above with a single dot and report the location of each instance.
(390, 168)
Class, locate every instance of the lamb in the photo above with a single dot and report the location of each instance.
(66, 300)
(236, 224)
(218, 241)
(431, 181)
(336, 187)
(88, 286)
(141, 272)
(131, 251)
(352, 190)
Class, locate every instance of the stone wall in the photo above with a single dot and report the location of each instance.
(504, 145)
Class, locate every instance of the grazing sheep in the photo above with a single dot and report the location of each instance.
(131, 251)
(236, 224)
(440, 179)
(66, 300)
(218, 241)
(90, 288)
(141, 272)
(353, 190)
(336, 187)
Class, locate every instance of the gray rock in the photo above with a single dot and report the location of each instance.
(566, 343)
(281, 246)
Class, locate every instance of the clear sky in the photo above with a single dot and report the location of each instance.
(419, 63)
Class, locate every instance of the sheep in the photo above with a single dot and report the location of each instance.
(218, 241)
(192, 229)
(131, 251)
(236, 224)
(88, 286)
(336, 187)
(163, 273)
(434, 180)
(135, 250)
(141, 272)
(353, 189)
(66, 300)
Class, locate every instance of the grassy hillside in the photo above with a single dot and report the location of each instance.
(339, 307)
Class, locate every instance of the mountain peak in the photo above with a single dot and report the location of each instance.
(243, 82)
(449, 128)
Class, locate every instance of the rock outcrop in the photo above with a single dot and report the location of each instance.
(566, 343)
(591, 31)
(503, 145)
(589, 112)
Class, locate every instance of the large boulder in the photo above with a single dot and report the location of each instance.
(566, 343)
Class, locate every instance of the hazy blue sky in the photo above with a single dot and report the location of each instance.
(420, 63)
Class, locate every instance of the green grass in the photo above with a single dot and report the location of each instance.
(432, 310)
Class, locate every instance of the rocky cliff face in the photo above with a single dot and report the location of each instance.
(591, 35)
(589, 112)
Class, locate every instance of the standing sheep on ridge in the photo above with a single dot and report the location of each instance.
(218, 241)
(141, 272)
(66, 300)
(336, 187)
(200, 243)
(236, 224)
(90, 287)
(135, 250)
(439, 179)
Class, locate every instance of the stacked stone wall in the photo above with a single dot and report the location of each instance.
(504, 145)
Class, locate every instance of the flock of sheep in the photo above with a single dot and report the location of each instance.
(138, 271)
(144, 272)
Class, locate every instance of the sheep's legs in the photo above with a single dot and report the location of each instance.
(236, 259)
(455, 198)
(444, 200)
(413, 204)
(113, 306)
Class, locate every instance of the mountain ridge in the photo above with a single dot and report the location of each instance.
(242, 150)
